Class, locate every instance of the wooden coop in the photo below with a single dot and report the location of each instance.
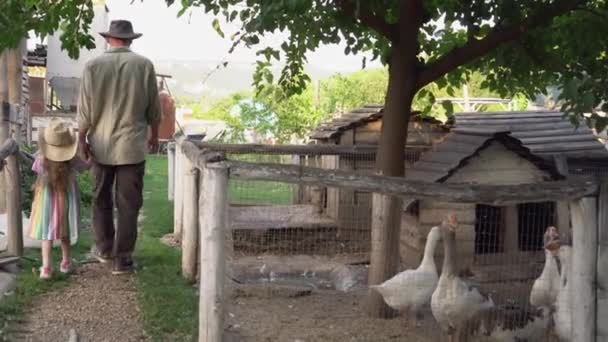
(352, 209)
(534, 147)
(488, 234)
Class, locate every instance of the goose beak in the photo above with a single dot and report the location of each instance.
(451, 222)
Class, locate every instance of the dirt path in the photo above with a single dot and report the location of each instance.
(97, 305)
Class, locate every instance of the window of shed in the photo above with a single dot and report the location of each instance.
(489, 227)
(533, 219)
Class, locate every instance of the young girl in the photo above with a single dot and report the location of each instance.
(56, 206)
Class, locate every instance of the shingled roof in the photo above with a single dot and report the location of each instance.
(462, 144)
(544, 133)
(358, 117)
(333, 128)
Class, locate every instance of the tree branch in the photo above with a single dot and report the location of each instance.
(475, 48)
(368, 18)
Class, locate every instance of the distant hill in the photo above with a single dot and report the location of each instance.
(188, 77)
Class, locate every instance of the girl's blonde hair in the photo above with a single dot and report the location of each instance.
(57, 174)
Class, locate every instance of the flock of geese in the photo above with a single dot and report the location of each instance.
(465, 313)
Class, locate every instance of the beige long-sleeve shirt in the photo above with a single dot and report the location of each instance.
(118, 101)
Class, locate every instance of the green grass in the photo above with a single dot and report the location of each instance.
(168, 303)
(259, 192)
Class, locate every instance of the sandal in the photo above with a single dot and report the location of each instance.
(65, 267)
(45, 273)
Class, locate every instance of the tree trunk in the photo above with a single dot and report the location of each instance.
(390, 159)
(387, 210)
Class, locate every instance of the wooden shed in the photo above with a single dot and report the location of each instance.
(352, 209)
(488, 235)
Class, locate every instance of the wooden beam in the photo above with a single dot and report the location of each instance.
(602, 263)
(178, 202)
(318, 149)
(583, 271)
(171, 171)
(190, 221)
(398, 186)
(213, 222)
(14, 214)
(562, 208)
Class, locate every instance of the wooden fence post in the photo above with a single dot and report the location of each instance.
(171, 170)
(602, 263)
(190, 224)
(178, 194)
(213, 222)
(4, 124)
(9, 152)
(583, 271)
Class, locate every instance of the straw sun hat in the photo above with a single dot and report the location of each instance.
(58, 142)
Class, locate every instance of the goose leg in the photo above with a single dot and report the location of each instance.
(419, 318)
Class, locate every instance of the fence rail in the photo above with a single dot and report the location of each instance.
(202, 174)
(9, 168)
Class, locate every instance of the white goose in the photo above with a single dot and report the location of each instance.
(455, 302)
(563, 305)
(410, 290)
(462, 309)
(546, 286)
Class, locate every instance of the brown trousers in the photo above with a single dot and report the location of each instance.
(123, 185)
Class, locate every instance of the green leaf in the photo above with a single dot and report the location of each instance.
(217, 28)
(448, 106)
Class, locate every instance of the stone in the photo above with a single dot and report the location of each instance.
(348, 278)
(7, 283)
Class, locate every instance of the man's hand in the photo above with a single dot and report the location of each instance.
(153, 143)
(85, 151)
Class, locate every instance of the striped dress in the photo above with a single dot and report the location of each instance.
(55, 216)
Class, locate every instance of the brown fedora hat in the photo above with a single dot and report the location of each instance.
(121, 29)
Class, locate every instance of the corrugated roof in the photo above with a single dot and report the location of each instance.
(333, 128)
(458, 147)
(358, 117)
(544, 133)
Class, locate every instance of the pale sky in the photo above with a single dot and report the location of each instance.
(193, 38)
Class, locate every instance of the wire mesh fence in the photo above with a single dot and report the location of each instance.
(300, 257)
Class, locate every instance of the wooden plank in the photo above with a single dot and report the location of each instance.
(190, 206)
(178, 202)
(517, 127)
(602, 263)
(595, 154)
(213, 222)
(508, 121)
(439, 167)
(446, 157)
(560, 138)
(583, 271)
(562, 207)
(171, 171)
(9, 260)
(504, 115)
(476, 140)
(318, 149)
(14, 214)
(457, 147)
(561, 147)
(398, 186)
(552, 132)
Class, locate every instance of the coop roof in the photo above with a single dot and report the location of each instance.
(544, 133)
(462, 144)
(334, 128)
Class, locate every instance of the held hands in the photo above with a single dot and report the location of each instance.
(85, 152)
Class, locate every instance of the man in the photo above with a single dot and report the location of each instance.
(118, 102)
